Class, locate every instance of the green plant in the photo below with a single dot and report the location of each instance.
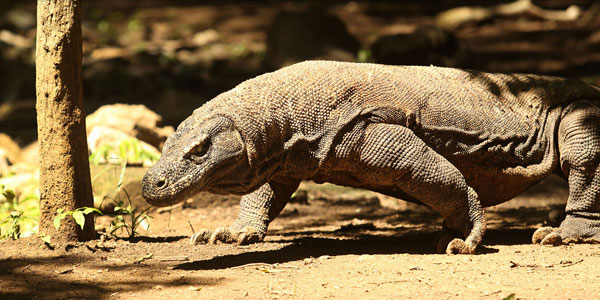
(127, 217)
(130, 150)
(14, 221)
(238, 51)
(509, 297)
(101, 154)
(19, 217)
(78, 214)
(136, 218)
(364, 56)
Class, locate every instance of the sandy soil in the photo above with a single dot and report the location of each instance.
(342, 244)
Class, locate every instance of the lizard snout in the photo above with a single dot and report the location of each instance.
(154, 182)
(153, 186)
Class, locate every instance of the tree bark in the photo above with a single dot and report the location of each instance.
(64, 167)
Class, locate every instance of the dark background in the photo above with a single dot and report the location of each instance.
(173, 56)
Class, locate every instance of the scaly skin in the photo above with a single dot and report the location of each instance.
(454, 140)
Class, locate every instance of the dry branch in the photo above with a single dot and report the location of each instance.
(456, 17)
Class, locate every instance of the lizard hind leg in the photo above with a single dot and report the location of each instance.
(579, 151)
(393, 156)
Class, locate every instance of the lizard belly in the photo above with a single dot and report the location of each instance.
(498, 167)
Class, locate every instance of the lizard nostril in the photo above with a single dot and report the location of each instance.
(160, 183)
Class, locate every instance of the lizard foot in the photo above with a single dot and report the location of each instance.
(574, 229)
(247, 235)
(447, 243)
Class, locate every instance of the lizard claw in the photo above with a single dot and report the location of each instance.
(222, 234)
(245, 236)
(447, 243)
(248, 235)
(548, 236)
(458, 246)
(574, 229)
(540, 235)
(200, 237)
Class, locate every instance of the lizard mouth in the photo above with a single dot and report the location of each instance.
(161, 192)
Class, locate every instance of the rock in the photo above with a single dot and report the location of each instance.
(100, 137)
(130, 194)
(593, 40)
(364, 257)
(107, 192)
(312, 34)
(458, 16)
(20, 18)
(10, 153)
(31, 154)
(134, 120)
(427, 45)
(24, 184)
(205, 37)
(9, 148)
(108, 53)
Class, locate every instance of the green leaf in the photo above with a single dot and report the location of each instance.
(46, 238)
(88, 210)
(57, 221)
(9, 195)
(61, 215)
(79, 218)
(510, 297)
(123, 149)
(122, 175)
(364, 56)
(101, 153)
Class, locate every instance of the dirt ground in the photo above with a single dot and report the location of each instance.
(343, 244)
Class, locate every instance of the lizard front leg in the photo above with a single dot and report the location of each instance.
(257, 210)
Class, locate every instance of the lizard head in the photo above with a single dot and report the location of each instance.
(206, 153)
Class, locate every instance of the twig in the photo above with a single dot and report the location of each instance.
(566, 263)
(281, 292)
(492, 293)
(173, 258)
(423, 281)
(386, 282)
(275, 265)
(192, 227)
(456, 17)
(252, 265)
(143, 258)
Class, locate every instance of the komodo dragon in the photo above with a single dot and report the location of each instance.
(454, 140)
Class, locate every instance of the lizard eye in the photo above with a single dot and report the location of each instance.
(200, 149)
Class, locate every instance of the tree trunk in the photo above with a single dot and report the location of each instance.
(64, 167)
